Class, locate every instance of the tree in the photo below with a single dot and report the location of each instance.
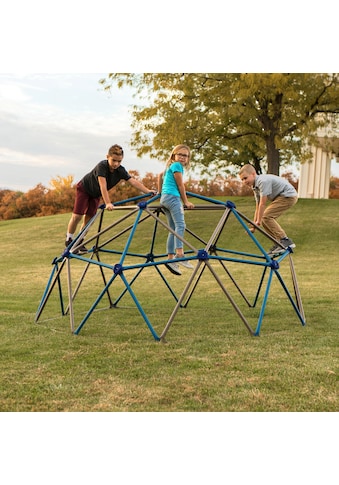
(60, 183)
(8, 204)
(30, 203)
(230, 119)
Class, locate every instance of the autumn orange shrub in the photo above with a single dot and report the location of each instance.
(334, 188)
(42, 201)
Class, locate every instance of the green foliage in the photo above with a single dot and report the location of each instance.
(210, 362)
(230, 119)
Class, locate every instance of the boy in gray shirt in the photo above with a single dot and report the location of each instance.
(281, 194)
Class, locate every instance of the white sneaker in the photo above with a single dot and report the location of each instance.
(174, 268)
(184, 263)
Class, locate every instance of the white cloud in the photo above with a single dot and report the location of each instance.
(25, 159)
(10, 93)
(61, 125)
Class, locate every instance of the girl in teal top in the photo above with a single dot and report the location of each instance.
(173, 199)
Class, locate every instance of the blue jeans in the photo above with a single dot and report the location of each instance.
(174, 211)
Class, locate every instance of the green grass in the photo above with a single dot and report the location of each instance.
(210, 361)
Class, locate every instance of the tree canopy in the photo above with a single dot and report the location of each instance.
(230, 119)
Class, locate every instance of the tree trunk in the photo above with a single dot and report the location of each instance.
(273, 157)
(257, 165)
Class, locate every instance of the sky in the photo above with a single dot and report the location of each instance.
(61, 124)
(55, 125)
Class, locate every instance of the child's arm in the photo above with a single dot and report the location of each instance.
(160, 180)
(104, 193)
(180, 183)
(138, 185)
(260, 209)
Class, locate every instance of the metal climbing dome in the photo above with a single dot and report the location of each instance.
(120, 251)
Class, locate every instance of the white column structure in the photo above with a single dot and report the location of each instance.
(314, 178)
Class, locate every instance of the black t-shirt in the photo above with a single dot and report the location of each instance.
(90, 180)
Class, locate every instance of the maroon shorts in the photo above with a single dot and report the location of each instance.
(84, 203)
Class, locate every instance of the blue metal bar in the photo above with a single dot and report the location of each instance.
(291, 299)
(251, 235)
(263, 306)
(259, 288)
(137, 197)
(207, 199)
(166, 283)
(130, 237)
(49, 288)
(104, 280)
(42, 302)
(125, 290)
(242, 261)
(90, 311)
(149, 262)
(143, 314)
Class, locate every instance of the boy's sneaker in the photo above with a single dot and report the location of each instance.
(79, 250)
(173, 268)
(275, 250)
(286, 242)
(185, 264)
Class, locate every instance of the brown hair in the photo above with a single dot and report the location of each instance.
(116, 150)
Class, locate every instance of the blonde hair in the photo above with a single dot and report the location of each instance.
(176, 150)
(247, 169)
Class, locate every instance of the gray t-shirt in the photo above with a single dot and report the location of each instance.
(272, 186)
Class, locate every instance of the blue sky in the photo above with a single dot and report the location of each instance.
(61, 124)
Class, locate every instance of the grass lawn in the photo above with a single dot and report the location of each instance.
(210, 362)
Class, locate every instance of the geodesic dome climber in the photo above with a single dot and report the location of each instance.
(126, 243)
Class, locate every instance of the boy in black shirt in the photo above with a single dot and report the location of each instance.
(105, 175)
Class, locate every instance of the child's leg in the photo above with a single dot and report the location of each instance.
(178, 216)
(170, 237)
(273, 211)
(175, 217)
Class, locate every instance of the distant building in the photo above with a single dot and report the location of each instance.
(314, 178)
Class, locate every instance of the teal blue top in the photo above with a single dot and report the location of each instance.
(169, 184)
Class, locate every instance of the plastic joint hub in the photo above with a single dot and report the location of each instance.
(117, 269)
(142, 205)
(230, 204)
(202, 254)
(274, 264)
